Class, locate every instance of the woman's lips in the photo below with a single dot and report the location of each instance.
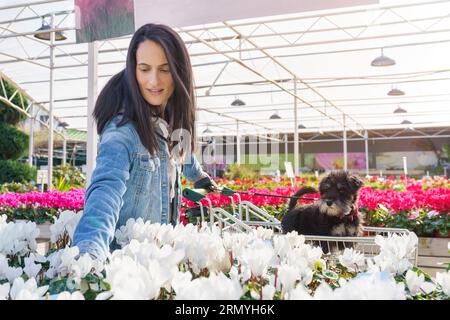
(155, 92)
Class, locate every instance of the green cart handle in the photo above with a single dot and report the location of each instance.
(196, 195)
(227, 191)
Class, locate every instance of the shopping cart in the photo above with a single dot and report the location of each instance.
(365, 244)
(244, 215)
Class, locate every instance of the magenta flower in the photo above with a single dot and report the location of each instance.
(72, 200)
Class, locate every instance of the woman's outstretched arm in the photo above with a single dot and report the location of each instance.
(104, 196)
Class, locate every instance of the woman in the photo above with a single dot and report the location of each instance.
(141, 114)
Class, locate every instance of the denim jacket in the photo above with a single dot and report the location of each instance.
(128, 182)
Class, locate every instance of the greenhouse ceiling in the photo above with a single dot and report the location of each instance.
(320, 59)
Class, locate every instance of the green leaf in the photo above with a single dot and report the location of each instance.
(90, 278)
(90, 295)
(330, 275)
(57, 286)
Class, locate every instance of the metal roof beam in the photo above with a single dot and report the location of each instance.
(342, 12)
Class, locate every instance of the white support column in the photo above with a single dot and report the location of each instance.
(296, 151)
(91, 152)
(366, 147)
(345, 144)
(64, 159)
(285, 148)
(50, 115)
(74, 155)
(238, 144)
(31, 140)
(214, 157)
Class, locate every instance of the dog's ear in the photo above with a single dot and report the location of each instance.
(355, 182)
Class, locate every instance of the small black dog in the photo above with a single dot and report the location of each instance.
(333, 215)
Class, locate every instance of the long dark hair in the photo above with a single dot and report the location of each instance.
(122, 93)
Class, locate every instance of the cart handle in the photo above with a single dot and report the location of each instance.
(227, 191)
(196, 195)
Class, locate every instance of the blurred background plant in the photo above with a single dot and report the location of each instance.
(66, 177)
(18, 187)
(13, 142)
(233, 171)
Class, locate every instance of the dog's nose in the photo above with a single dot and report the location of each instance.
(329, 203)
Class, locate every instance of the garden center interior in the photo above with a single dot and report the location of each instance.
(286, 92)
(358, 87)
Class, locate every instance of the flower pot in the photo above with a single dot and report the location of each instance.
(433, 255)
(437, 234)
(43, 239)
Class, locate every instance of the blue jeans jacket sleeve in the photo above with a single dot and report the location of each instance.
(192, 169)
(104, 196)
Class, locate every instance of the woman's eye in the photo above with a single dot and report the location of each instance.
(165, 70)
(143, 70)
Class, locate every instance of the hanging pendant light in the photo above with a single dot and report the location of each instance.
(275, 116)
(395, 92)
(400, 110)
(44, 33)
(238, 102)
(382, 61)
(406, 122)
(207, 130)
(300, 126)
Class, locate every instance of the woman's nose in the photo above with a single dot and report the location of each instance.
(153, 78)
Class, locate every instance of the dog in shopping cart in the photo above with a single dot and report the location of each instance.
(334, 214)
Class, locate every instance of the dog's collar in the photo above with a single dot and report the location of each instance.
(351, 216)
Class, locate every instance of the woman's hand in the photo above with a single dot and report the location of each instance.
(205, 182)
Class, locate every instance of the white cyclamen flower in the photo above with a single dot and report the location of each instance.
(324, 292)
(417, 284)
(288, 275)
(180, 281)
(137, 230)
(18, 238)
(4, 291)
(130, 280)
(371, 286)
(77, 295)
(166, 235)
(396, 252)
(215, 287)
(106, 295)
(31, 268)
(268, 291)
(7, 272)
(352, 260)
(312, 255)
(65, 223)
(443, 279)
(258, 256)
(299, 293)
(28, 290)
(295, 240)
(263, 233)
(237, 242)
(82, 266)
(203, 249)
(12, 273)
(145, 252)
(61, 262)
(281, 246)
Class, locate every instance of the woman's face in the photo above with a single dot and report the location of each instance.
(153, 74)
